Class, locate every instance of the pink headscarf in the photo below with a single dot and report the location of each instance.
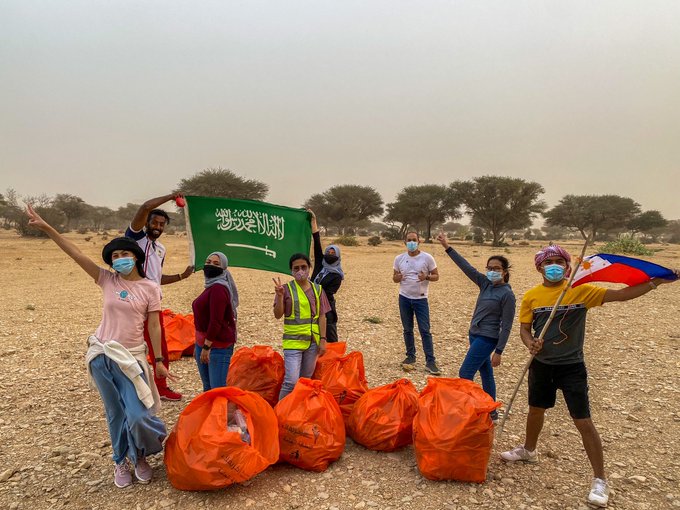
(554, 250)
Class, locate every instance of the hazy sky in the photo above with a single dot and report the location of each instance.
(116, 101)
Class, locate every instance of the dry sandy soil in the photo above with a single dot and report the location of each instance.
(54, 445)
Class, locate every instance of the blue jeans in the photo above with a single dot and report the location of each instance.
(298, 364)
(478, 358)
(134, 430)
(214, 374)
(407, 308)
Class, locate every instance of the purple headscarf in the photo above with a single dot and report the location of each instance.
(554, 250)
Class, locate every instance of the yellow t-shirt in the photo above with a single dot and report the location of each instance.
(563, 342)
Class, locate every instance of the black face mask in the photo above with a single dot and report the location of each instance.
(211, 271)
(331, 259)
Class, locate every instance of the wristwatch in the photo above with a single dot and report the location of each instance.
(206, 347)
(158, 360)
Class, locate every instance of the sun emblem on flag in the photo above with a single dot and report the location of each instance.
(587, 265)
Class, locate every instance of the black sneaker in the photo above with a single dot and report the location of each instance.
(433, 369)
(409, 363)
(495, 417)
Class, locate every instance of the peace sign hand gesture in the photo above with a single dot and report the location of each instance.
(34, 219)
(279, 306)
(278, 287)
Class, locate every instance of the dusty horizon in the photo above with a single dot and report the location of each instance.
(117, 102)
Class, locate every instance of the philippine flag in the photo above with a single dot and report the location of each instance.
(605, 267)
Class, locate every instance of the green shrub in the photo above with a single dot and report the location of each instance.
(347, 241)
(627, 245)
(391, 234)
(374, 241)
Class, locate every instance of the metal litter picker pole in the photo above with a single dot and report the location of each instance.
(499, 432)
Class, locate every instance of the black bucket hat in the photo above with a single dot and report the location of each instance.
(124, 243)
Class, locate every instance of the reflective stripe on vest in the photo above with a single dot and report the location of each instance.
(299, 328)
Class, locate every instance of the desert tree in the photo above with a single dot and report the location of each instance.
(346, 206)
(220, 182)
(100, 217)
(499, 204)
(647, 222)
(71, 206)
(423, 207)
(671, 232)
(591, 215)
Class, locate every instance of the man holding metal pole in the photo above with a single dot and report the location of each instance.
(558, 361)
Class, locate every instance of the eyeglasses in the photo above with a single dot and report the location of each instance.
(496, 268)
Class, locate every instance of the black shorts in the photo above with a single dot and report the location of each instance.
(545, 380)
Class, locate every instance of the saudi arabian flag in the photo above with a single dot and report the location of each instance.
(250, 233)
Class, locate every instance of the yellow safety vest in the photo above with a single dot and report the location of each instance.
(300, 328)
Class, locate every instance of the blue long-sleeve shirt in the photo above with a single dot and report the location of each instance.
(495, 308)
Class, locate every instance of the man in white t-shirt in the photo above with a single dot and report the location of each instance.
(413, 271)
(146, 227)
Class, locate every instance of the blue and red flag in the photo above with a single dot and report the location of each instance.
(605, 267)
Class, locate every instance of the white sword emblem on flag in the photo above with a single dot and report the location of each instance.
(266, 250)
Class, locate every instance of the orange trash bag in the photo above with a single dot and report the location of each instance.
(345, 378)
(311, 429)
(452, 430)
(259, 369)
(333, 351)
(382, 419)
(180, 334)
(224, 436)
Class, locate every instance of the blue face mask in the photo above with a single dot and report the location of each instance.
(554, 272)
(123, 265)
(411, 245)
(494, 276)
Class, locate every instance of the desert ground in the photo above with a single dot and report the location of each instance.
(55, 450)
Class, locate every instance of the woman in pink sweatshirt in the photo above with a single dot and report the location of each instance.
(116, 356)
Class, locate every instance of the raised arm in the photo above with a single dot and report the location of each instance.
(635, 291)
(142, 213)
(318, 250)
(67, 246)
(469, 271)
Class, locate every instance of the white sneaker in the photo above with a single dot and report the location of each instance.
(599, 493)
(520, 453)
